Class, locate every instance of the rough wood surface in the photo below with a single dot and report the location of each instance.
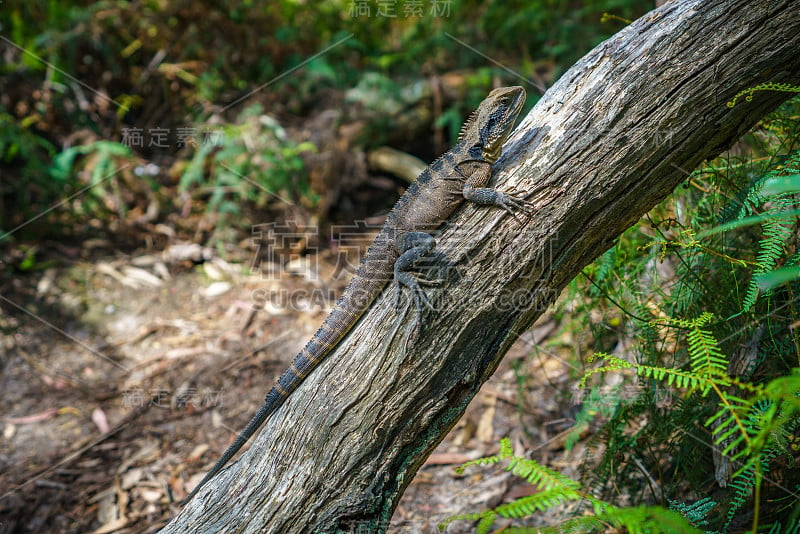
(615, 135)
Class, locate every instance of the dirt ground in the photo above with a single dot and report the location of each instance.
(125, 376)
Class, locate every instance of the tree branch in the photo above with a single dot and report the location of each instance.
(613, 137)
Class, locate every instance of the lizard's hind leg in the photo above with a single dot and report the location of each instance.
(413, 247)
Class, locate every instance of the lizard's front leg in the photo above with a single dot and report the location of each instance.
(476, 175)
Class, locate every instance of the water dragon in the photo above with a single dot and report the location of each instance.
(460, 174)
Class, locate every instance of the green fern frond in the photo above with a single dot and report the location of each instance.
(748, 199)
(737, 218)
(774, 412)
(696, 513)
(771, 249)
(742, 485)
(612, 364)
(485, 520)
(767, 86)
(556, 490)
(485, 524)
(612, 360)
(541, 477)
(576, 525)
(488, 460)
(703, 319)
(706, 358)
(636, 519)
(792, 527)
(674, 377)
(647, 519)
(778, 217)
(784, 389)
(709, 366)
(506, 451)
(538, 502)
(729, 430)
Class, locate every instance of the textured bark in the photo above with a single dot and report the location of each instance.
(613, 137)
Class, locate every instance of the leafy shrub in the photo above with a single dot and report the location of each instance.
(250, 161)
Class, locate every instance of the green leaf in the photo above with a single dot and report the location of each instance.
(61, 169)
(781, 184)
(110, 148)
(749, 221)
(767, 281)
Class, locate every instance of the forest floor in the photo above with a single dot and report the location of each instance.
(125, 376)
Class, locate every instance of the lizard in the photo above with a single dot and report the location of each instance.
(460, 174)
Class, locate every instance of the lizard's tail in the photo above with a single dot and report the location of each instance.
(270, 405)
(365, 286)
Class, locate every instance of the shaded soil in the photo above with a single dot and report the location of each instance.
(124, 377)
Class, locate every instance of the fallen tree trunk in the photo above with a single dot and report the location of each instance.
(613, 137)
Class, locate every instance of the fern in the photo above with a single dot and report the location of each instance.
(705, 356)
(745, 483)
(767, 86)
(779, 213)
(539, 502)
(696, 513)
(638, 519)
(729, 428)
(649, 519)
(725, 244)
(674, 377)
(776, 235)
(555, 490)
(748, 199)
(708, 364)
(748, 425)
(614, 364)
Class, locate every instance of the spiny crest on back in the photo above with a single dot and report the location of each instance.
(467, 124)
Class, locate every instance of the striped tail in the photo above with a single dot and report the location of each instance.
(373, 274)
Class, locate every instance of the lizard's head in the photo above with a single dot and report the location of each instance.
(489, 126)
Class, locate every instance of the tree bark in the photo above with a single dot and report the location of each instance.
(612, 138)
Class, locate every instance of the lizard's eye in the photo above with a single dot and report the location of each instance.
(504, 101)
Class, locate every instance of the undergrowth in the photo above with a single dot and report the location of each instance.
(696, 310)
(554, 489)
(78, 72)
(252, 160)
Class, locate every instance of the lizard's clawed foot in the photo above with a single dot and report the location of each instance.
(510, 201)
(421, 305)
(513, 203)
(414, 282)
